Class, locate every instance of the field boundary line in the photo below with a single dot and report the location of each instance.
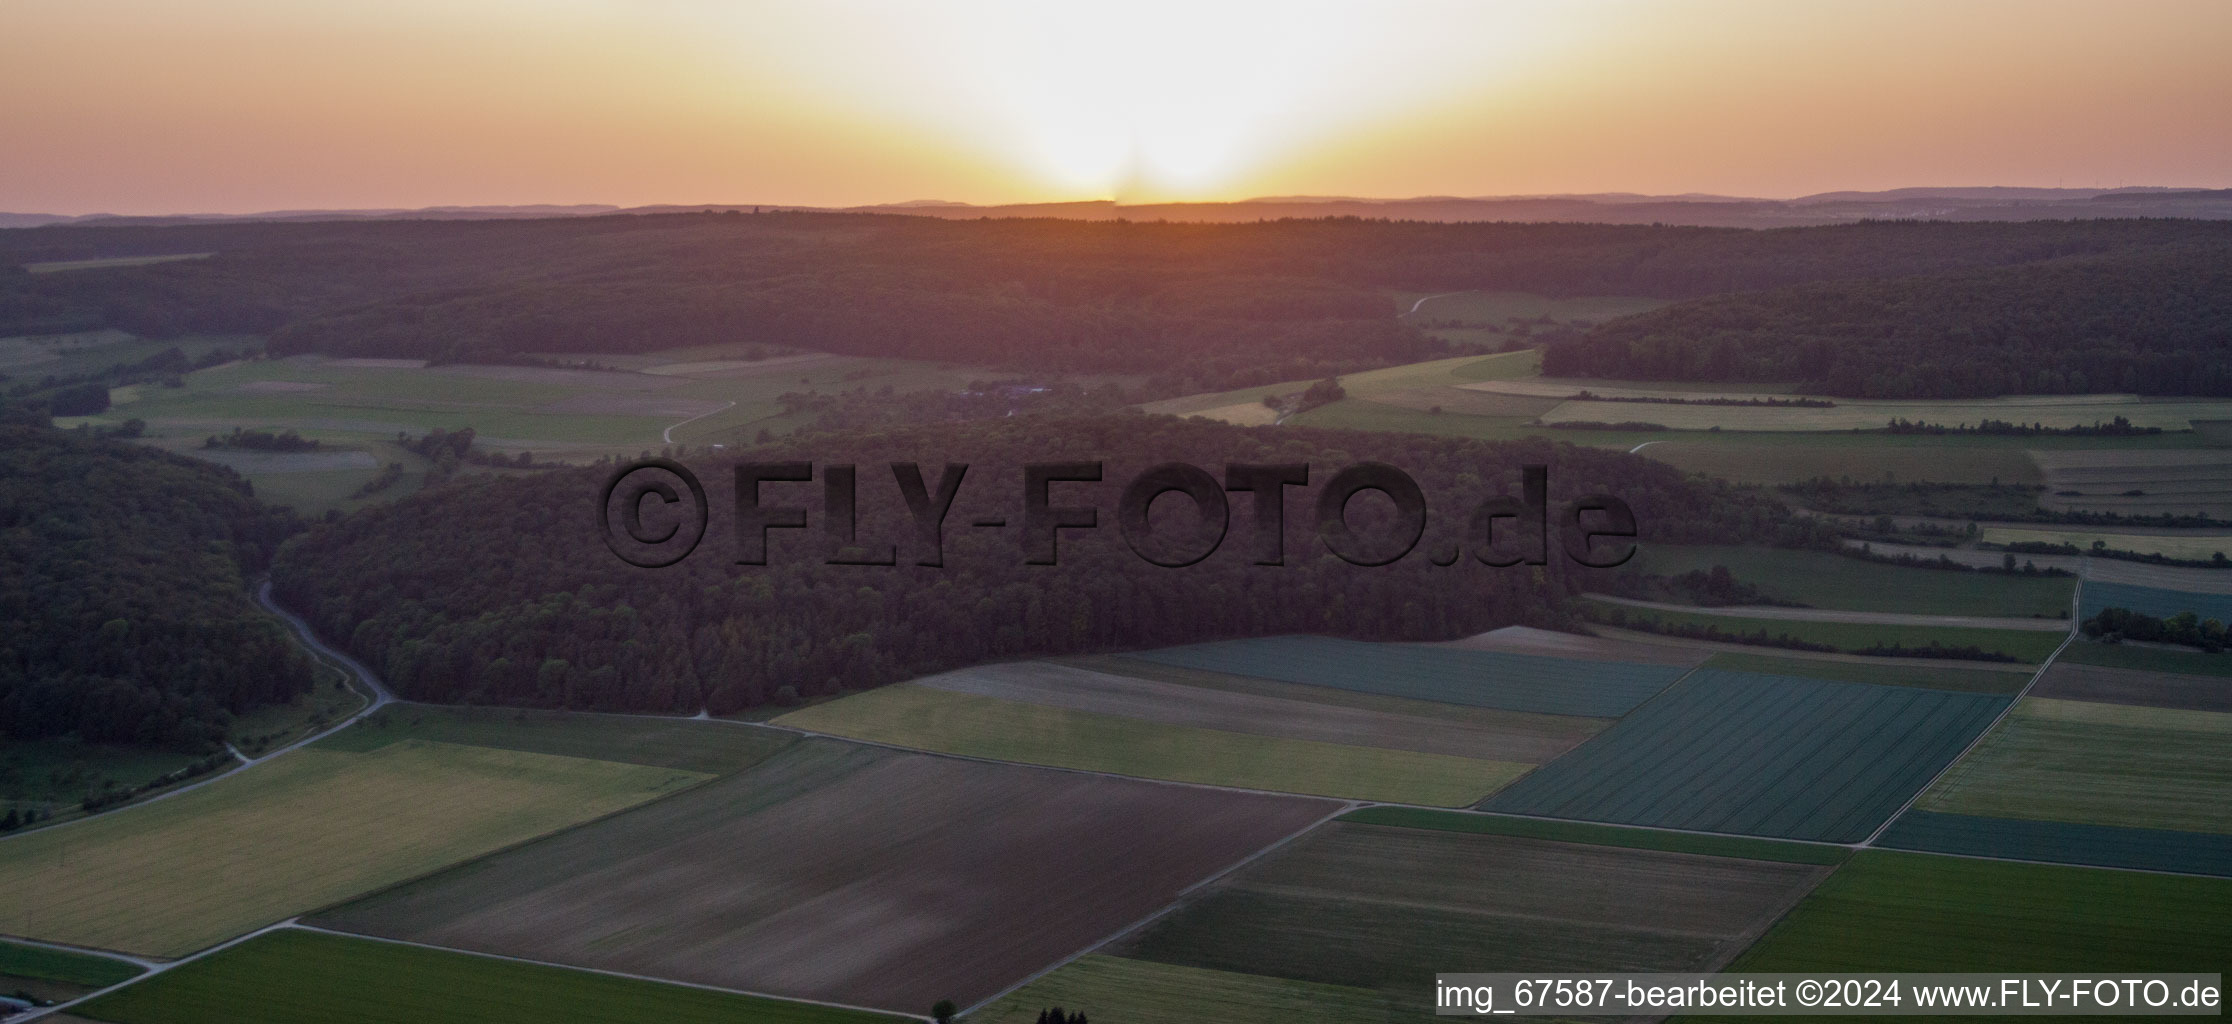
(157, 969)
(701, 986)
(2076, 602)
(308, 640)
(1159, 913)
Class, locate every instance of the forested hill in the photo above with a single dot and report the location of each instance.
(125, 615)
(1201, 306)
(2155, 322)
(501, 591)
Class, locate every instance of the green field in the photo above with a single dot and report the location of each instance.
(1754, 754)
(78, 969)
(61, 266)
(52, 775)
(1745, 847)
(2025, 646)
(293, 834)
(295, 976)
(2101, 764)
(711, 748)
(1826, 579)
(1917, 912)
(975, 726)
(1377, 908)
(2148, 659)
(1886, 673)
(1114, 988)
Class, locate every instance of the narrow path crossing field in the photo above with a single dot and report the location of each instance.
(1760, 754)
(292, 834)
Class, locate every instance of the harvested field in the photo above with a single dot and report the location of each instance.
(2161, 604)
(1513, 682)
(1911, 912)
(2101, 764)
(845, 873)
(1374, 907)
(1759, 754)
(292, 834)
(1827, 580)
(1882, 672)
(1526, 737)
(2173, 660)
(1545, 643)
(924, 718)
(2098, 683)
(1775, 613)
(2177, 481)
(2063, 842)
(298, 976)
(1116, 989)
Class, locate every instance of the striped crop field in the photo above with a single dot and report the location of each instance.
(1490, 679)
(1757, 754)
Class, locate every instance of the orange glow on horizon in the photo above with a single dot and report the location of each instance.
(141, 106)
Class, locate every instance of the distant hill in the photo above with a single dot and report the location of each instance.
(1978, 203)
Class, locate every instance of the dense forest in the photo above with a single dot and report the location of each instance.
(1196, 306)
(124, 608)
(501, 591)
(2155, 322)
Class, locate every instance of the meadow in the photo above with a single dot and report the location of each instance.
(299, 976)
(78, 970)
(847, 873)
(972, 725)
(2101, 764)
(2025, 646)
(1756, 754)
(1887, 911)
(293, 834)
(1377, 908)
(1825, 579)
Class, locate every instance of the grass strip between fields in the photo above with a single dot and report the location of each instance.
(294, 976)
(21, 961)
(1002, 730)
(1743, 847)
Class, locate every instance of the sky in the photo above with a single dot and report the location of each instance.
(170, 106)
